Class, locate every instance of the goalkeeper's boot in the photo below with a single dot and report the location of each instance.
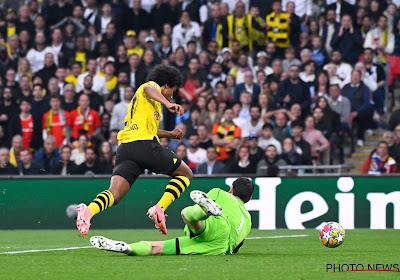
(207, 204)
(83, 218)
(156, 213)
(100, 242)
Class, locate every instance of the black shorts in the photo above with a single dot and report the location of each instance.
(132, 158)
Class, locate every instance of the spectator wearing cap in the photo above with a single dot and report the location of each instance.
(215, 28)
(248, 86)
(266, 138)
(131, 45)
(256, 152)
(303, 148)
(380, 162)
(212, 166)
(262, 64)
(293, 90)
(361, 108)
(290, 59)
(186, 31)
(347, 39)
(99, 81)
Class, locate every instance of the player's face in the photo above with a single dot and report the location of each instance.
(168, 91)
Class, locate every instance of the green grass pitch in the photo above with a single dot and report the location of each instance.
(264, 258)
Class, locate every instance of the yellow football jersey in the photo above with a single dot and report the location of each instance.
(143, 117)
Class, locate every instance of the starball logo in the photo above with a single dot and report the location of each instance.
(354, 267)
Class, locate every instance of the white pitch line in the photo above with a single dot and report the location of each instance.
(85, 247)
(278, 236)
(45, 250)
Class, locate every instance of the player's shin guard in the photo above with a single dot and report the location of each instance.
(194, 213)
(141, 248)
(103, 201)
(174, 190)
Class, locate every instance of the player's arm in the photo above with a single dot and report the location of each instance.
(154, 94)
(177, 133)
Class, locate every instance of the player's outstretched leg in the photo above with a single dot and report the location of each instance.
(178, 184)
(142, 248)
(118, 189)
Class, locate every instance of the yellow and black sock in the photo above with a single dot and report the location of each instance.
(174, 189)
(102, 201)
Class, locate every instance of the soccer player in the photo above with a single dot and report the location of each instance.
(216, 225)
(140, 149)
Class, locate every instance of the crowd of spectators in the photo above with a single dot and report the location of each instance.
(266, 83)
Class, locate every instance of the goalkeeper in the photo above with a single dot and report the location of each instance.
(216, 225)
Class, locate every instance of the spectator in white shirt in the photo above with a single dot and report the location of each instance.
(99, 82)
(36, 55)
(195, 153)
(267, 139)
(120, 109)
(186, 31)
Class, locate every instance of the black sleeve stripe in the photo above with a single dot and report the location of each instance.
(178, 250)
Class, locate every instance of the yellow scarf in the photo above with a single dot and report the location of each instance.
(49, 121)
(84, 119)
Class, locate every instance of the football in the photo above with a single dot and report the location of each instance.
(332, 235)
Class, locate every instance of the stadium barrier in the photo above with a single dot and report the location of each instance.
(294, 203)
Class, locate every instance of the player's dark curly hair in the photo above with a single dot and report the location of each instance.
(165, 75)
(243, 188)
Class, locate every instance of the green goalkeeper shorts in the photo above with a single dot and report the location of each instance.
(212, 239)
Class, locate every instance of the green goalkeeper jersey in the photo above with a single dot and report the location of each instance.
(235, 213)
